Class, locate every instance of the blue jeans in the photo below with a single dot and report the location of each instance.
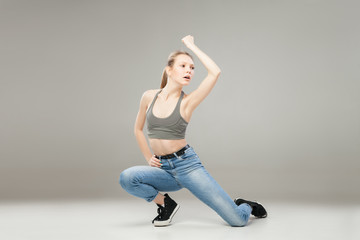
(185, 171)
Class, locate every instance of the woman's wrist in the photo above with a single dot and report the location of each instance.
(191, 46)
(148, 159)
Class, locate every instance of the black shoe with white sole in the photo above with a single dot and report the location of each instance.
(257, 209)
(166, 213)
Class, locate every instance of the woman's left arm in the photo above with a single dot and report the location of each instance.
(205, 87)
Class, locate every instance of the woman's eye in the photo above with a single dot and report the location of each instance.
(184, 66)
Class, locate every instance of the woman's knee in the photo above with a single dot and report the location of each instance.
(237, 218)
(127, 178)
(240, 221)
(238, 224)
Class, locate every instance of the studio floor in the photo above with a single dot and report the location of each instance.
(131, 219)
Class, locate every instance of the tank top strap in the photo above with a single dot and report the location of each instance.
(152, 103)
(180, 98)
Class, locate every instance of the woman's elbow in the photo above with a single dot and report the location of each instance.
(137, 131)
(215, 73)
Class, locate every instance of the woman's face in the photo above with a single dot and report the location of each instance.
(182, 70)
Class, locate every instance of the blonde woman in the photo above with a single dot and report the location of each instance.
(175, 164)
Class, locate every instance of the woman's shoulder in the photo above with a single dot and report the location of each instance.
(149, 94)
(152, 91)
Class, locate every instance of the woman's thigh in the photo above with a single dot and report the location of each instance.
(204, 187)
(200, 183)
(154, 177)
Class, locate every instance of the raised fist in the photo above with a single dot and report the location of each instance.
(188, 40)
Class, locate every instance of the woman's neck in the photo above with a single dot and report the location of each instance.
(171, 90)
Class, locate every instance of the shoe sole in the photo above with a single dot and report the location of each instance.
(264, 216)
(167, 222)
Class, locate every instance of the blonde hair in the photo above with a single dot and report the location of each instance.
(170, 63)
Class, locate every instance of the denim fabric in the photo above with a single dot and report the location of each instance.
(185, 171)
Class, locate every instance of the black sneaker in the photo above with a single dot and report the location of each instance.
(166, 213)
(257, 209)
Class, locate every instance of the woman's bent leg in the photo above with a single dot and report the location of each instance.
(146, 182)
(203, 186)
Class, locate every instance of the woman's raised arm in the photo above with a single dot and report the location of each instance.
(205, 87)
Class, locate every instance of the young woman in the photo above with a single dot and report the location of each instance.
(174, 164)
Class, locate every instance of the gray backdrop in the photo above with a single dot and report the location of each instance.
(283, 121)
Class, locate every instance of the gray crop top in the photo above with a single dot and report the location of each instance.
(171, 127)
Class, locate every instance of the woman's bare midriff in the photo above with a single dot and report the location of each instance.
(166, 146)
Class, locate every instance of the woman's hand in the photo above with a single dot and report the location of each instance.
(154, 162)
(188, 41)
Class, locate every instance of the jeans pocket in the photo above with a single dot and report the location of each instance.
(189, 155)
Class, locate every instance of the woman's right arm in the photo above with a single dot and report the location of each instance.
(139, 125)
(139, 134)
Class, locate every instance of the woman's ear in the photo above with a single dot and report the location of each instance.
(168, 70)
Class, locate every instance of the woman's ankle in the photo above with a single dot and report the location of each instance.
(159, 199)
